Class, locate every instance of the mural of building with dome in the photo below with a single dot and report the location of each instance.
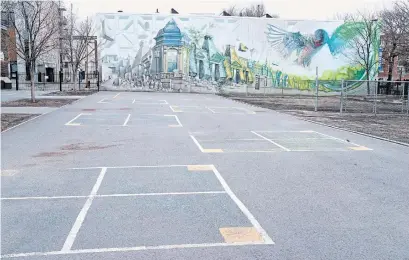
(178, 53)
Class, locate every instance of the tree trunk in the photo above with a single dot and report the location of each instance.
(390, 74)
(74, 78)
(33, 98)
(368, 88)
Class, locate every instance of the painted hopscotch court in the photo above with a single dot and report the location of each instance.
(211, 110)
(102, 118)
(271, 141)
(132, 208)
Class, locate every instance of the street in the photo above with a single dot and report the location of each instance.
(120, 175)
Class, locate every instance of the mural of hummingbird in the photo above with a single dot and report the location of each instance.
(306, 46)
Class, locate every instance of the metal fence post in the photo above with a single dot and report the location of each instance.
(16, 81)
(316, 90)
(98, 80)
(61, 80)
(403, 96)
(342, 97)
(376, 97)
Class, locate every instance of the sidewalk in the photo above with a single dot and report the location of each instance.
(27, 110)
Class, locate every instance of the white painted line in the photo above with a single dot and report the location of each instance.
(114, 195)
(75, 118)
(176, 118)
(127, 120)
(133, 101)
(131, 166)
(221, 140)
(102, 101)
(165, 103)
(338, 139)
(243, 208)
(171, 107)
(44, 197)
(211, 110)
(116, 95)
(81, 216)
(160, 194)
(136, 248)
(265, 138)
(284, 131)
(197, 143)
(246, 110)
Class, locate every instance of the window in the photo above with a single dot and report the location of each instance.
(171, 57)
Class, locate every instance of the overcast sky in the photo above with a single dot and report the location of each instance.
(287, 9)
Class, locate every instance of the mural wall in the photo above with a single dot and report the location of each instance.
(178, 53)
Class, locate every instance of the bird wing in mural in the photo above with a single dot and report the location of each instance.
(284, 41)
(343, 35)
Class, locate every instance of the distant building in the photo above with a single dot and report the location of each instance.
(8, 46)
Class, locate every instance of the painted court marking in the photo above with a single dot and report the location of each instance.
(97, 117)
(127, 120)
(177, 120)
(75, 118)
(245, 110)
(161, 102)
(276, 142)
(233, 236)
(81, 216)
(117, 95)
(115, 195)
(265, 138)
(205, 150)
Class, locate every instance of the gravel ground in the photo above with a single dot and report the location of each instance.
(72, 93)
(390, 123)
(38, 103)
(10, 120)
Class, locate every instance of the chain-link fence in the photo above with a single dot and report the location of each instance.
(365, 97)
(57, 81)
(376, 97)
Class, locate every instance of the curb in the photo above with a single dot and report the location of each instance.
(22, 123)
(331, 126)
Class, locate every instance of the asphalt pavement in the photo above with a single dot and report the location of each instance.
(119, 175)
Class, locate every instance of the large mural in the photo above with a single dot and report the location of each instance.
(209, 53)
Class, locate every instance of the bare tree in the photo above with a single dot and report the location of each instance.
(36, 28)
(363, 47)
(395, 35)
(254, 10)
(76, 44)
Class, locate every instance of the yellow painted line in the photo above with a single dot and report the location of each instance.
(174, 125)
(199, 168)
(240, 234)
(8, 173)
(360, 148)
(212, 150)
(176, 109)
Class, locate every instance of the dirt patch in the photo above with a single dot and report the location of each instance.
(72, 93)
(84, 147)
(38, 103)
(351, 104)
(393, 127)
(71, 148)
(10, 120)
(50, 154)
(392, 124)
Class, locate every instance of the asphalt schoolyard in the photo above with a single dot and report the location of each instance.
(121, 175)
